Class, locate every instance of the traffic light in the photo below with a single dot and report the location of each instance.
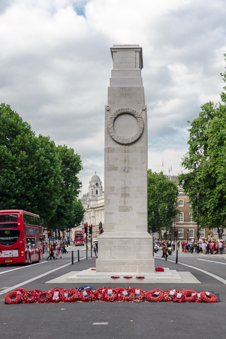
(85, 226)
(90, 229)
(101, 230)
(49, 233)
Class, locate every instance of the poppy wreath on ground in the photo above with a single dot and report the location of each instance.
(70, 296)
(119, 290)
(21, 290)
(190, 295)
(87, 295)
(37, 291)
(139, 294)
(109, 295)
(57, 296)
(45, 297)
(208, 297)
(159, 269)
(169, 295)
(198, 298)
(57, 289)
(100, 292)
(140, 277)
(127, 295)
(114, 277)
(154, 295)
(13, 297)
(178, 298)
(126, 277)
(30, 297)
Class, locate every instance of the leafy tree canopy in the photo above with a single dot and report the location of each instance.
(206, 165)
(162, 193)
(35, 175)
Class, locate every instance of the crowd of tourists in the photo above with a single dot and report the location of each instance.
(204, 246)
(55, 250)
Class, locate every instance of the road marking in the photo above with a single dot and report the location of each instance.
(100, 323)
(216, 262)
(20, 268)
(203, 271)
(32, 279)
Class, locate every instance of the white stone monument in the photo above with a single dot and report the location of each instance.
(125, 245)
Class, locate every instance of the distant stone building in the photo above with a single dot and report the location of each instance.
(93, 203)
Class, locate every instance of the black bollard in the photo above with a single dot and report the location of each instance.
(78, 256)
(72, 257)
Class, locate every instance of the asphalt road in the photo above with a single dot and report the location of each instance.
(114, 320)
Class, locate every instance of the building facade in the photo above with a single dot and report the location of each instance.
(93, 203)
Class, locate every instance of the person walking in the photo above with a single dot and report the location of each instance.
(51, 253)
(58, 251)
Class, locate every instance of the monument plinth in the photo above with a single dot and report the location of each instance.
(125, 245)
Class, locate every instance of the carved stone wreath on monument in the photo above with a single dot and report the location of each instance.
(128, 139)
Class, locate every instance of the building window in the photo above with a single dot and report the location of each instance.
(190, 217)
(181, 217)
(202, 233)
(181, 190)
(191, 234)
(180, 233)
(96, 191)
(181, 202)
(96, 184)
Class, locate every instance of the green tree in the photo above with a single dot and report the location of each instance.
(69, 210)
(162, 193)
(206, 165)
(30, 169)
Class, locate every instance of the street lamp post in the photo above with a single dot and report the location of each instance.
(198, 197)
(174, 205)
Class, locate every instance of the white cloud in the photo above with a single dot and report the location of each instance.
(56, 63)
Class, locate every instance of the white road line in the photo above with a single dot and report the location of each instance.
(20, 268)
(216, 262)
(100, 323)
(203, 271)
(32, 279)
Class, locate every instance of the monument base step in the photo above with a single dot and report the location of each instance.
(91, 276)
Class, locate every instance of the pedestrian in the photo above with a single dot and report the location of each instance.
(95, 249)
(51, 253)
(58, 251)
(43, 247)
(204, 247)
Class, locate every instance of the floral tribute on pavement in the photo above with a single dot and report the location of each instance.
(106, 294)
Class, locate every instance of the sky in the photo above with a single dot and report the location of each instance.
(55, 66)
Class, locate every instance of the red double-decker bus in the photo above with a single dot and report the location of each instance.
(20, 237)
(79, 237)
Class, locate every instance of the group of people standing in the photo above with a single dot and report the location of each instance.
(204, 246)
(56, 249)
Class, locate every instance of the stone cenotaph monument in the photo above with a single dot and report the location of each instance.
(125, 245)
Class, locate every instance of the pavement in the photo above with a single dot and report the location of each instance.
(115, 320)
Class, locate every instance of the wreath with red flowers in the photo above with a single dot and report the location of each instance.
(169, 295)
(30, 297)
(140, 277)
(13, 297)
(21, 290)
(139, 294)
(119, 290)
(154, 295)
(45, 297)
(70, 296)
(87, 295)
(127, 277)
(100, 292)
(198, 298)
(190, 295)
(109, 295)
(178, 298)
(208, 297)
(159, 269)
(127, 295)
(114, 277)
